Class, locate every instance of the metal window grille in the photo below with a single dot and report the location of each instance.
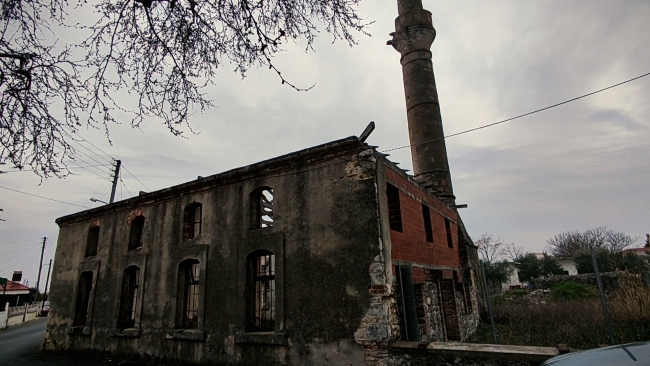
(264, 281)
(191, 299)
(428, 229)
(265, 208)
(409, 329)
(196, 221)
(129, 301)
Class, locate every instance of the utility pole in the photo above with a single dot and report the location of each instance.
(47, 282)
(118, 163)
(40, 266)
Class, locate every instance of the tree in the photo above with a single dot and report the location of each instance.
(497, 273)
(530, 268)
(489, 248)
(512, 251)
(161, 52)
(570, 243)
(609, 262)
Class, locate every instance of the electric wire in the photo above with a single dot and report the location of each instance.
(96, 154)
(127, 188)
(45, 198)
(91, 144)
(525, 114)
(135, 177)
(27, 250)
(19, 241)
(79, 157)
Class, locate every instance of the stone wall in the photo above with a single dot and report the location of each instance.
(434, 326)
(327, 254)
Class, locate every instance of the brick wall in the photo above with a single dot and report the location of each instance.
(411, 245)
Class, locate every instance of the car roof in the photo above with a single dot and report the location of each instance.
(630, 354)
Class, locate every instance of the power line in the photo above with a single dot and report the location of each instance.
(27, 250)
(45, 198)
(127, 188)
(99, 156)
(135, 177)
(19, 241)
(91, 144)
(523, 115)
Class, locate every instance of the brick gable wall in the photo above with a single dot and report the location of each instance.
(411, 245)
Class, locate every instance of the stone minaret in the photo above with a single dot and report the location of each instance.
(414, 34)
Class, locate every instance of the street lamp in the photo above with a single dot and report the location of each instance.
(96, 200)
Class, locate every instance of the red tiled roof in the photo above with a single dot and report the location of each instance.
(15, 286)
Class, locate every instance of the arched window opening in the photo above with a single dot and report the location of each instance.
(192, 217)
(83, 299)
(189, 271)
(135, 235)
(92, 241)
(261, 288)
(129, 298)
(263, 207)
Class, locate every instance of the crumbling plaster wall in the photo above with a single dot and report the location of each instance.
(327, 250)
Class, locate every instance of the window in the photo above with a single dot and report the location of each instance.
(135, 236)
(428, 230)
(261, 289)
(92, 242)
(394, 212)
(83, 299)
(263, 207)
(129, 298)
(192, 221)
(450, 242)
(189, 271)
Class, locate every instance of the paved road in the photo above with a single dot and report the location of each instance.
(19, 346)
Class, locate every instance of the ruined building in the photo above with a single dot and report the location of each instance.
(322, 256)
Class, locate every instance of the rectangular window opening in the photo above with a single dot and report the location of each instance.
(428, 229)
(394, 211)
(450, 242)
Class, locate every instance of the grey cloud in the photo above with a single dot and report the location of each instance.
(618, 118)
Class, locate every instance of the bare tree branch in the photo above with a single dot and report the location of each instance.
(163, 52)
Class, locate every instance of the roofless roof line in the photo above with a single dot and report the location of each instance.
(309, 156)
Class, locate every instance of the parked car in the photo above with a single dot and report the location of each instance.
(46, 308)
(630, 354)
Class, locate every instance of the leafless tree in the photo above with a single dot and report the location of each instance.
(512, 252)
(490, 249)
(570, 243)
(163, 53)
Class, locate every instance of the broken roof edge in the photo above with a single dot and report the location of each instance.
(287, 162)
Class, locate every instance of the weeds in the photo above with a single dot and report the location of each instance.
(574, 317)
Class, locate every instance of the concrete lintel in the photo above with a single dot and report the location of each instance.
(494, 348)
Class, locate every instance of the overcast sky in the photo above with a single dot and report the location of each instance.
(577, 166)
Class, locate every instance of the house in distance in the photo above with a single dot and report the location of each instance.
(321, 256)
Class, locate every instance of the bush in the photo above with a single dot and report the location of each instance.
(517, 293)
(570, 291)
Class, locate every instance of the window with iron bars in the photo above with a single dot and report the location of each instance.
(263, 288)
(129, 298)
(190, 316)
